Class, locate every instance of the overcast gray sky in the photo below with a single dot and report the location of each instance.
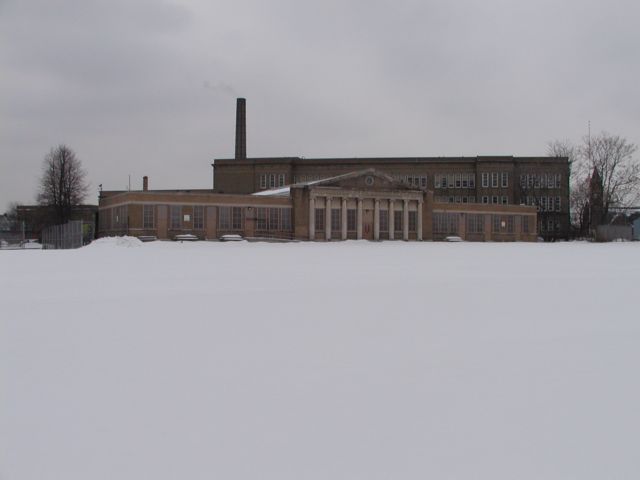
(147, 87)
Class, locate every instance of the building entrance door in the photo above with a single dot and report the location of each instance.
(367, 224)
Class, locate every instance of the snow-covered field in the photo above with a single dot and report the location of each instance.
(320, 361)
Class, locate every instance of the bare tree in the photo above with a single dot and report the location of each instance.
(563, 148)
(579, 191)
(612, 157)
(12, 211)
(579, 204)
(63, 184)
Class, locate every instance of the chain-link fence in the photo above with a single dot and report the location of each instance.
(72, 234)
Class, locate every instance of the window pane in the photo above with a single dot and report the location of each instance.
(236, 218)
(336, 218)
(319, 219)
(175, 214)
(198, 217)
(274, 218)
(397, 221)
(147, 216)
(224, 218)
(384, 220)
(351, 219)
(261, 219)
(412, 221)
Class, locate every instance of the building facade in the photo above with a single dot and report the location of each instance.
(367, 205)
(542, 182)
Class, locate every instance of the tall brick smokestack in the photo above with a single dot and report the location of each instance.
(241, 129)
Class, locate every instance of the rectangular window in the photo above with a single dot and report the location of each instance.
(525, 224)
(272, 180)
(351, 219)
(436, 180)
(494, 179)
(558, 209)
(230, 218)
(485, 199)
(397, 221)
(236, 218)
(319, 222)
(458, 199)
(475, 223)
(505, 179)
(413, 218)
(446, 223)
(472, 180)
(510, 227)
(485, 180)
(281, 180)
(285, 218)
(496, 223)
(450, 180)
(543, 205)
(504, 200)
(224, 218)
(550, 225)
(557, 179)
(261, 218)
(458, 180)
(147, 216)
(175, 217)
(274, 218)
(423, 181)
(384, 220)
(537, 181)
(336, 223)
(198, 217)
(494, 199)
(263, 181)
(523, 180)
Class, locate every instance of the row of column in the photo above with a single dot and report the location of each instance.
(359, 221)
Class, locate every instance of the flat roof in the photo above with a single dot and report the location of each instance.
(381, 160)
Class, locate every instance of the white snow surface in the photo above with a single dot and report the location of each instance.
(279, 192)
(349, 360)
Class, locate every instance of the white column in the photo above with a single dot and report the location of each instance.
(344, 219)
(405, 220)
(392, 226)
(312, 217)
(327, 219)
(359, 220)
(376, 220)
(419, 226)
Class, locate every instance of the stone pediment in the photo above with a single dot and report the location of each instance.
(369, 179)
